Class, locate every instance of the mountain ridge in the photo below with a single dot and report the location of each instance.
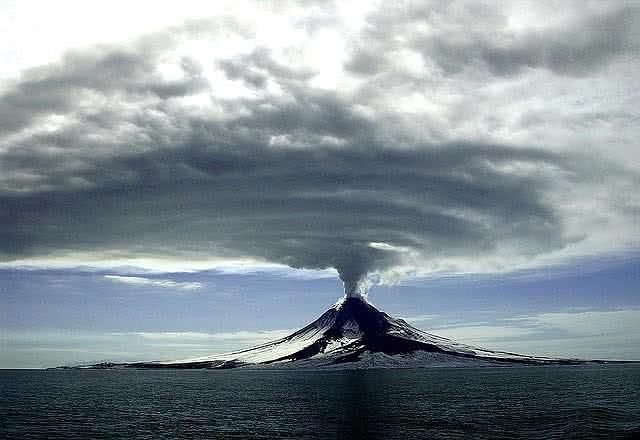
(353, 334)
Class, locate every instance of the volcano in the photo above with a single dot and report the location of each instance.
(353, 334)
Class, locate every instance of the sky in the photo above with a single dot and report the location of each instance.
(186, 179)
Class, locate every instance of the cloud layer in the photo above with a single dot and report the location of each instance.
(595, 334)
(396, 139)
(151, 282)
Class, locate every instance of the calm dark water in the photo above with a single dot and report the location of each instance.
(511, 402)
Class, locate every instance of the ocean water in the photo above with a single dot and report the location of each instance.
(589, 401)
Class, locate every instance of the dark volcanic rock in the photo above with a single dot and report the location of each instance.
(352, 334)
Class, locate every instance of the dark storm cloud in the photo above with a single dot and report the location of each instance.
(58, 89)
(574, 51)
(366, 61)
(466, 35)
(226, 188)
(313, 209)
(300, 176)
(258, 66)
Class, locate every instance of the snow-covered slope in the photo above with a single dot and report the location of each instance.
(353, 334)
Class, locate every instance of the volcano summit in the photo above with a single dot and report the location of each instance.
(352, 334)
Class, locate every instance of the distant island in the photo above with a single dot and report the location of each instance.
(353, 334)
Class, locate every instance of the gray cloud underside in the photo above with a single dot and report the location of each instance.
(302, 177)
(480, 37)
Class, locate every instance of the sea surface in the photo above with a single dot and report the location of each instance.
(588, 401)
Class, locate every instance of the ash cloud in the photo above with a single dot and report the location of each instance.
(102, 153)
(475, 37)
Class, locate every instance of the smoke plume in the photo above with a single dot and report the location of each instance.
(415, 160)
